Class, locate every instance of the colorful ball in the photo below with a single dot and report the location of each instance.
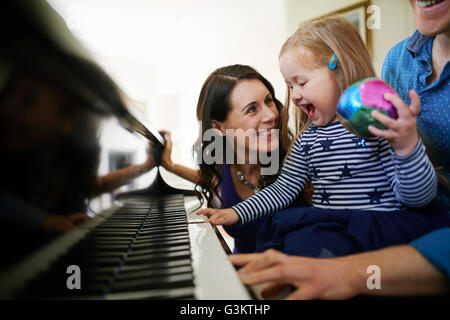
(359, 100)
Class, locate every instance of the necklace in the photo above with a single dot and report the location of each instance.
(262, 182)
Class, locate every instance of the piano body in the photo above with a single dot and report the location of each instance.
(149, 245)
(144, 247)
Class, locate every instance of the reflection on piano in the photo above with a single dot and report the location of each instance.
(148, 245)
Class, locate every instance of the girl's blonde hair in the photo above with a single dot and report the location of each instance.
(323, 37)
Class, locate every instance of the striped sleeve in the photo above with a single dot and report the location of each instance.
(413, 177)
(281, 193)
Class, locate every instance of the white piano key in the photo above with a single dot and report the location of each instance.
(214, 276)
(192, 206)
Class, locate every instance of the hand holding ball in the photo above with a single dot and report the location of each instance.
(359, 100)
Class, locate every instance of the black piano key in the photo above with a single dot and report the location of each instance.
(163, 230)
(155, 265)
(99, 233)
(169, 225)
(104, 247)
(160, 243)
(161, 236)
(109, 239)
(161, 282)
(157, 257)
(156, 218)
(152, 272)
(144, 247)
(159, 294)
(146, 251)
(121, 225)
(101, 262)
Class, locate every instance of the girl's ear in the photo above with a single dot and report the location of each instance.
(218, 127)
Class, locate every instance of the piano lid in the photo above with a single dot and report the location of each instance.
(53, 98)
(42, 44)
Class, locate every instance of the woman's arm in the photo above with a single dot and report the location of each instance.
(118, 178)
(167, 163)
(184, 172)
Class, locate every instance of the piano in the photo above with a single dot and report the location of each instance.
(144, 247)
(149, 244)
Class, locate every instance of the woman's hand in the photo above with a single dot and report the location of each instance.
(150, 162)
(311, 278)
(59, 224)
(220, 217)
(402, 133)
(166, 160)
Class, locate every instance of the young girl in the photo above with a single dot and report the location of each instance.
(361, 186)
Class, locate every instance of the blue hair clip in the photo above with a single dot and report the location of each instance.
(333, 62)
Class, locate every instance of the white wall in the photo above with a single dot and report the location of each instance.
(161, 51)
(397, 23)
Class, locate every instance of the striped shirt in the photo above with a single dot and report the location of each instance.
(347, 172)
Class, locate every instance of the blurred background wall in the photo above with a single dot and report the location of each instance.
(161, 51)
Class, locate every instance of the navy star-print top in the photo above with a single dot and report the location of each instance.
(347, 172)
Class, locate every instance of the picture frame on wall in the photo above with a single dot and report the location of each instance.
(357, 15)
(358, 18)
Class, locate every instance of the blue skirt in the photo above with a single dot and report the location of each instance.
(245, 235)
(313, 232)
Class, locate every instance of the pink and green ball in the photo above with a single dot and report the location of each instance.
(359, 100)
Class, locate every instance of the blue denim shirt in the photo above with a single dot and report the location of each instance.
(407, 66)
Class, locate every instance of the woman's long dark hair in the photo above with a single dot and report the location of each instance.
(214, 104)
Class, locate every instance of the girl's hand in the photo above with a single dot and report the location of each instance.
(402, 133)
(220, 217)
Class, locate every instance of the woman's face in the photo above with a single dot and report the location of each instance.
(432, 17)
(252, 120)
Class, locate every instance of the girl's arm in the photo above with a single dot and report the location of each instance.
(414, 178)
(280, 194)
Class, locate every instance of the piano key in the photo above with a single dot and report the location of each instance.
(145, 245)
(160, 243)
(160, 282)
(163, 229)
(211, 265)
(162, 236)
(136, 251)
(150, 272)
(155, 265)
(164, 256)
(176, 293)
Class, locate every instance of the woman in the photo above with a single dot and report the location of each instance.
(239, 104)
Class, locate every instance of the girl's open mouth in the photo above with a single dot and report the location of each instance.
(309, 109)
